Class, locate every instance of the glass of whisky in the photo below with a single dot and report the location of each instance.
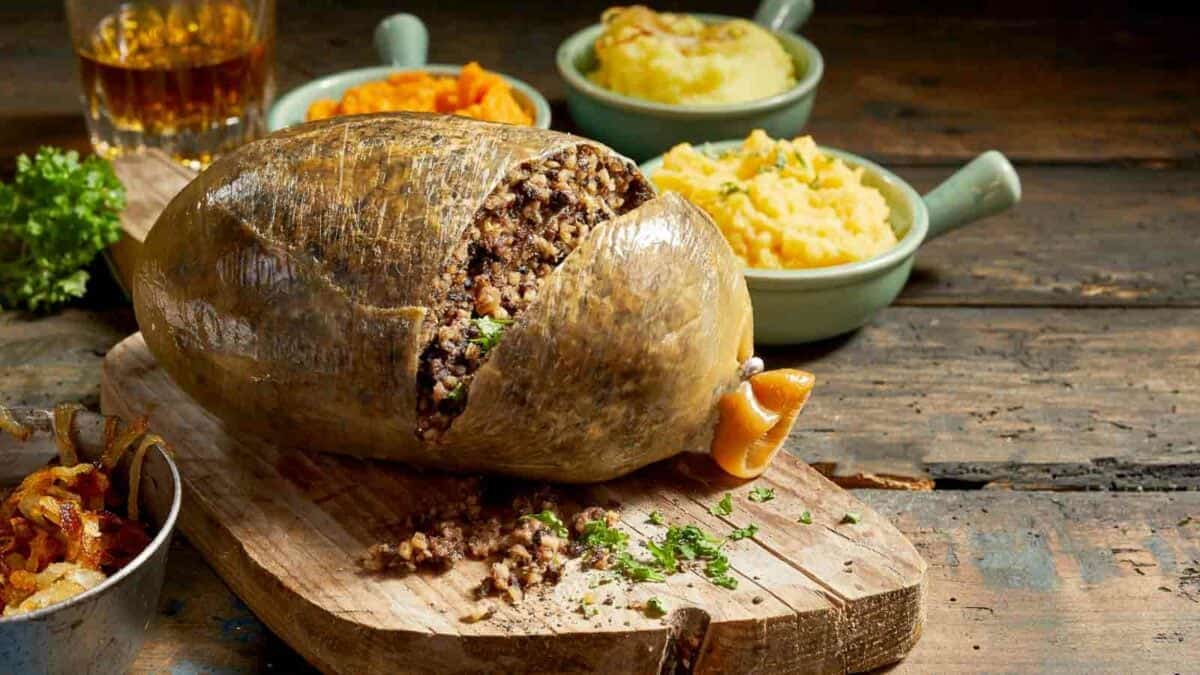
(190, 77)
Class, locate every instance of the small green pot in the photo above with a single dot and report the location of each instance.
(642, 129)
(794, 306)
(403, 42)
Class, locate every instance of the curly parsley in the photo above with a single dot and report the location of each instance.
(743, 532)
(57, 214)
(489, 331)
(598, 534)
(762, 494)
(551, 520)
(655, 608)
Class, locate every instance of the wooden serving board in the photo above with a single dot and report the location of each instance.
(284, 530)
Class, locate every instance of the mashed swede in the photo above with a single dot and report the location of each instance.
(676, 58)
(782, 204)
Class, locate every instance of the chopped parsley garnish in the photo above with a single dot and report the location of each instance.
(457, 392)
(780, 161)
(655, 608)
(743, 532)
(664, 555)
(597, 534)
(489, 330)
(762, 494)
(551, 520)
(637, 570)
(656, 518)
(800, 158)
(851, 518)
(679, 544)
(729, 188)
(587, 609)
(723, 507)
(717, 572)
(690, 542)
(806, 518)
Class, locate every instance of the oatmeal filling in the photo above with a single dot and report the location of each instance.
(540, 212)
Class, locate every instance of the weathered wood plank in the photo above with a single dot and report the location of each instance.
(57, 358)
(1111, 86)
(202, 627)
(1019, 581)
(1083, 398)
(926, 89)
(1094, 236)
(1070, 583)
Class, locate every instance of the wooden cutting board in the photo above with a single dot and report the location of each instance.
(284, 529)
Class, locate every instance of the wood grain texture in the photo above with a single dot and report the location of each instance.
(1094, 237)
(56, 359)
(284, 530)
(1018, 582)
(1046, 583)
(1069, 399)
(202, 627)
(930, 85)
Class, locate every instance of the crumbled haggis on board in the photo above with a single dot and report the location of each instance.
(525, 541)
(526, 544)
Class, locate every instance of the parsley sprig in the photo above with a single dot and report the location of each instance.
(723, 507)
(551, 520)
(57, 214)
(489, 331)
(762, 494)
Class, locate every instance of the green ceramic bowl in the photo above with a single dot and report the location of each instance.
(642, 129)
(403, 42)
(794, 306)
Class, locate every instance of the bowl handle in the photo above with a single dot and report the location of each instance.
(783, 16)
(984, 187)
(402, 40)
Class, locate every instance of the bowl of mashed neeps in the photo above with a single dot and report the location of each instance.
(642, 81)
(826, 238)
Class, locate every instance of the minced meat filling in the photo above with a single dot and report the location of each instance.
(526, 227)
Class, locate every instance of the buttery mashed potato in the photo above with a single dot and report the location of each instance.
(676, 58)
(782, 204)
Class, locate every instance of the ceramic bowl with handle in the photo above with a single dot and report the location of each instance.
(642, 129)
(795, 306)
(402, 42)
(100, 630)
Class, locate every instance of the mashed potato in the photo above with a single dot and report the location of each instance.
(782, 204)
(676, 58)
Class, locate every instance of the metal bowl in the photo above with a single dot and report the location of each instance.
(101, 630)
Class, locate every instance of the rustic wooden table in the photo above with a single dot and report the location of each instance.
(1040, 354)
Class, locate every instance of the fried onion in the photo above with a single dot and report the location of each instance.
(59, 517)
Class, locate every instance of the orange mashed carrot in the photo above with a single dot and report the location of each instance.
(476, 93)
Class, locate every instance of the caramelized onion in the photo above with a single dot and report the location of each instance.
(116, 449)
(14, 428)
(135, 471)
(64, 424)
